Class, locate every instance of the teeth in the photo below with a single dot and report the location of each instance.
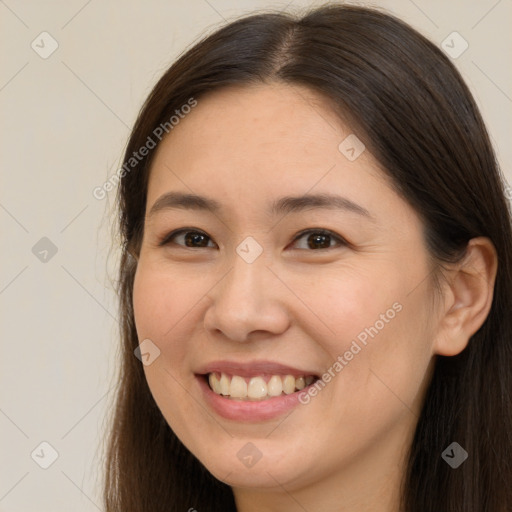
(256, 388)
(238, 388)
(289, 384)
(214, 383)
(275, 386)
(224, 384)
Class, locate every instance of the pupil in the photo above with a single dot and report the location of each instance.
(318, 239)
(192, 238)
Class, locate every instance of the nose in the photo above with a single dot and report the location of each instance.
(247, 301)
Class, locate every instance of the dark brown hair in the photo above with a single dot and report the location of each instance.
(410, 106)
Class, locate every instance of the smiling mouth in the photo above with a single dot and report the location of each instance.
(258, 388)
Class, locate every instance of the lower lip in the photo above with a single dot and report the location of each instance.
(248, 411)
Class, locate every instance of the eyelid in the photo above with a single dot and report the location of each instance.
(342, 241)
(167, 238)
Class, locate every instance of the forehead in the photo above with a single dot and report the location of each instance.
(250, 148)
(261, 136)
(260, 116)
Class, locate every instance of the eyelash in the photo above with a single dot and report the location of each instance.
(318, 231)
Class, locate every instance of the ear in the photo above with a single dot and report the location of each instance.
(468, 297)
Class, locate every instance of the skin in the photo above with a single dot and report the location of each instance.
(295, 305)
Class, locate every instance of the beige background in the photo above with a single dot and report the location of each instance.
(64, 122)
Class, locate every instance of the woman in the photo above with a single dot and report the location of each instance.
(316, 277)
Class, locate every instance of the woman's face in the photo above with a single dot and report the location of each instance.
(244, 293)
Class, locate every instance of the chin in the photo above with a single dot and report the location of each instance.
(257, 477)
(241, 464)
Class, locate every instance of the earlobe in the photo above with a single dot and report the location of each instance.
(471, 290)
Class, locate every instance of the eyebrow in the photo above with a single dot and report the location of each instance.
(281, 206)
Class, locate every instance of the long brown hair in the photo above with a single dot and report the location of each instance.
(415, 114)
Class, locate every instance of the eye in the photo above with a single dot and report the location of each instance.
(319, 239)
(191, 238)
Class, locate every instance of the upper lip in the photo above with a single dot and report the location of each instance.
(253, 368)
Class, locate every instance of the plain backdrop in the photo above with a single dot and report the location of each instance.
(65, 118)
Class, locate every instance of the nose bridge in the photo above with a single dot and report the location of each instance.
(244, 278)
(244, 285)
(248, 270)
(245, 300)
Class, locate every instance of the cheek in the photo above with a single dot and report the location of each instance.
(387, 377)
(376, 334)
(346, 301)
(161, 300)
(162, 306)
